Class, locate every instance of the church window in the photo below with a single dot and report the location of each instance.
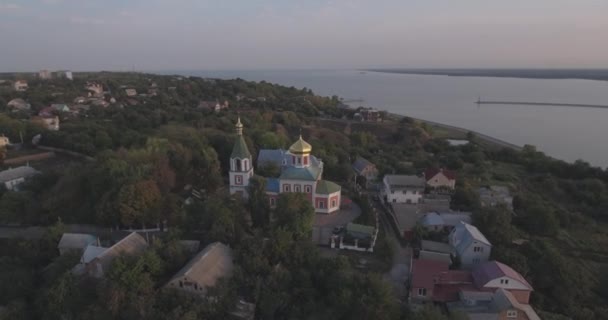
(333, 203)
(237, 164)
(245, 165)
(305, 161)
(308, 189)
(238, 179)
(321, 204)
(299, 160)
(286, 188)
(272, 202)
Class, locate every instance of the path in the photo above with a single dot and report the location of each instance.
(402, 255)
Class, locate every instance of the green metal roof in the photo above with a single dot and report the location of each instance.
(359, 228)
(292, 173)
(240, 149)
(327, 187)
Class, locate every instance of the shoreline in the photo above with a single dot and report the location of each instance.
(484, 138)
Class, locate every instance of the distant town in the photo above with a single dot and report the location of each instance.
(140, 196)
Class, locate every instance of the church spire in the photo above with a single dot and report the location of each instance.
(239, 127)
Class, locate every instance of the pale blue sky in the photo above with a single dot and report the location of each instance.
(262, 34)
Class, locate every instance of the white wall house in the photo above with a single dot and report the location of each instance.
(403, 189)
(471, 246)
(12, 178)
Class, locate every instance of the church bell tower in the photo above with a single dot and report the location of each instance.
(241, 164)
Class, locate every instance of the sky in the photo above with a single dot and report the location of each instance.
(149, 35)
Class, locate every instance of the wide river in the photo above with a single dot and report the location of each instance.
(563, 132)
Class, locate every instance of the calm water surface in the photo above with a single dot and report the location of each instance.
(562, 132)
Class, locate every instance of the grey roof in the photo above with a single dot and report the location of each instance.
(133, 244)
(488, 305)
(407, 215)
(434, 246)
(445, 218)
(435, 256)
(271, 156)
(465, 234)
(405, 182)
(209, 265)
(360, 164)
(76, 240)
(92, 252)
(16, 173)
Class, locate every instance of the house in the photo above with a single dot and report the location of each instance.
(64, 74)
(434, 246)
(358, 237)
(95, 89)
(494, 275)
(96, 260)
(213, 105)
(471, 246)
(402, 188)
(499, 305)
(12, 178)
(131, 92)
(61, 107)
(20, 85)
(433, 281)
(4, 141)
(80, 100)
(302, 172)
(18, 105)
(440, 179)
(204, 270)
(44, 75)
(75, 243)
(370, 115)
(444, 221)
(492, 196)
(406, 217)
(49, 122)
(365, 169)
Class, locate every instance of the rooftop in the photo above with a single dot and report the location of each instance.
(405, 182)
(327, 187)
(492, 270)
(209, 265)
(300, 147)
(360, 164)
(17, 173)
(431, 172)
(76, 240)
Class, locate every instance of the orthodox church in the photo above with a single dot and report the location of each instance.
(300, 172)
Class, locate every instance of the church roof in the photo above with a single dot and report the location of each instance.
(300, 147)
(273, 185)
(271, 156)
(311, 173)
(327, 187)
(240, 149)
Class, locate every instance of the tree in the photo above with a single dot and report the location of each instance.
(495, 223)
(139, 203)
(258, 204)
(295, 212)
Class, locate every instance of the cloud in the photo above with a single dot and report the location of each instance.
(85, 20)
(9, 6)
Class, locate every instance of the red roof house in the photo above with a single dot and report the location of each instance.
(493, 275)
(440, 178)
(432, 280)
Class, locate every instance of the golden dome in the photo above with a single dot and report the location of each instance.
(300, 147)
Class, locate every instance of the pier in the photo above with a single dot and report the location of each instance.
(572, 105)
